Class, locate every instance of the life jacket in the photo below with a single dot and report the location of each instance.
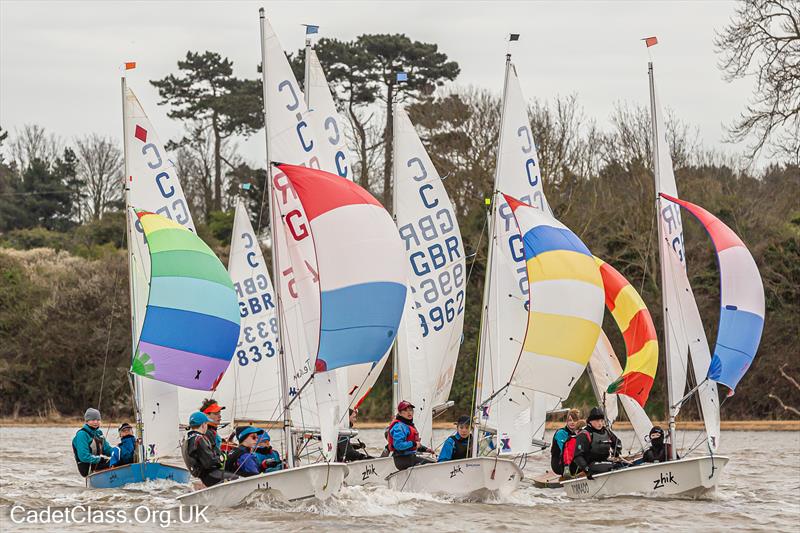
(413, 435)
(233, 458)
(460, 446)
(95, 447)
(188, 447)
(568, 454)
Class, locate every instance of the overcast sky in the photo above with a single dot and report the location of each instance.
(60, 60)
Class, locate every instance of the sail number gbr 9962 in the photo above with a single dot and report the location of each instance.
(433, 246)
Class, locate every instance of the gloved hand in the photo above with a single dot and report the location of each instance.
(424, 449)
(269, 463)
(104, 457)
(358, 445)
(588, 475)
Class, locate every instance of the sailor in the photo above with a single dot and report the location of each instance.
(457, 445)
(243, 459)
(597, 449)
(213, 410)
(659, 451)
(268, 457)
(346, 449)
(91, 450)
(404, 439)
(124, 452)
(202, 460)
(560, 438)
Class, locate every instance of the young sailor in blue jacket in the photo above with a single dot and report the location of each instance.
(403, 439)
(90, 448)
(457, 445)
(268, 457)
(123, 454)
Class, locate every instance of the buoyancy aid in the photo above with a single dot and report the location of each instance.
(461, 446)
(568, 454)
(233, 457)
(95, 448)
(188, 446)
(412, 437)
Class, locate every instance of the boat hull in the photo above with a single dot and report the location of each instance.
(120, 476)
(318, 481)
(693, 477)
(370, 471)
(475, 479)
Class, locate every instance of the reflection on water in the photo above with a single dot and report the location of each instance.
(760, 490)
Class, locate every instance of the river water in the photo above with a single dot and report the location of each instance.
(760, 490)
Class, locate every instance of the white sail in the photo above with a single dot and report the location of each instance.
(354, 381)
(517, 174)
(152, 184)
(432, 327)
(683, 328)
(249, 389)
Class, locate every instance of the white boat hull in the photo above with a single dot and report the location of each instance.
(370, 471)
(688, 478)
(318, 481)
(476, 479)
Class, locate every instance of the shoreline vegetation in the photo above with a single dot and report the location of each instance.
(621, 425)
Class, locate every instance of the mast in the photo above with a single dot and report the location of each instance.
(137, 398)
(395, 363)
(656, 174)
(492, 214)
(274, 221)
(307, 81)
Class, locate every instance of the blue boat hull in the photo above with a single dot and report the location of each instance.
(136, 473)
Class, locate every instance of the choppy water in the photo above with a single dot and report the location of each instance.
(760, 490)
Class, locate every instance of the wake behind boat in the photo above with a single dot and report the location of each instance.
(694, 477)
(471, 479)
(320, 481)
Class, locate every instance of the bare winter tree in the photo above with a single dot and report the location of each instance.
(763, 40)
(99, 167)
(33, 142)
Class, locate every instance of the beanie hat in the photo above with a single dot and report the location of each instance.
(91, 414)
(596, 414)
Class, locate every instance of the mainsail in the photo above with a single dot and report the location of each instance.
(741, 319)
(151, 183)
(683, 327)
(432, 327)
(250, 389)
(191, 323)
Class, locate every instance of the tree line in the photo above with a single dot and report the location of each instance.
(64, 326)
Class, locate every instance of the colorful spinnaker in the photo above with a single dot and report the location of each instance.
(634, 321)
(741, 319)
(360, 263)
(191, 325)
(566, 302)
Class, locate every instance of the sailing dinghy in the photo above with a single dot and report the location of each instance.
(739, 333)
(151, 183)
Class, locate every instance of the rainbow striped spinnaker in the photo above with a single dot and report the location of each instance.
(191, 325)
(566, 303)
(741, 319)
(634, 321)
